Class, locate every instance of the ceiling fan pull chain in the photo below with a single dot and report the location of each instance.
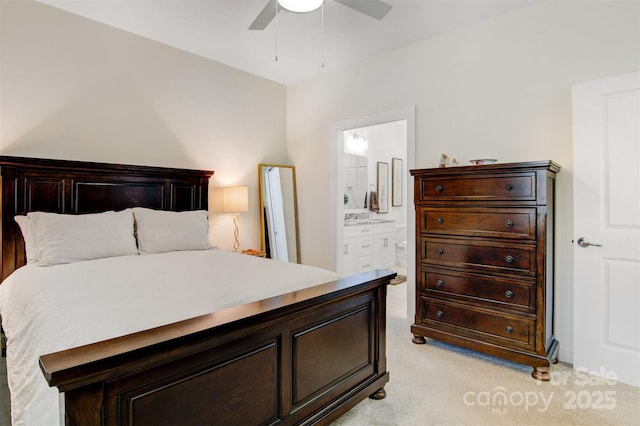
(322, 37)
(276, 30)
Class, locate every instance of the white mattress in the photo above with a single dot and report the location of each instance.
(47, 309)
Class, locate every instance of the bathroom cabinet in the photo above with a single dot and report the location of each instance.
(383, 245)
(350, 254)
(368, 245)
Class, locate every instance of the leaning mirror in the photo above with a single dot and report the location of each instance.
(279, 212)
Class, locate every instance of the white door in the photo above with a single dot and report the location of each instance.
(606, 289)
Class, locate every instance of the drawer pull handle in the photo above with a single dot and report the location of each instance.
(508, 259)
(439, 314)
(508, 187)
(440, 252)
(439, 188)
(440, 283)
(509, 223)
(509, 329)
(439, 220)
(508, 294)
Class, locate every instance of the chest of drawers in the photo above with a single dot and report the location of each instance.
(484, 267)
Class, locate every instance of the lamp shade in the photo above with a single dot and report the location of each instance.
(300, 6)
(235, 199)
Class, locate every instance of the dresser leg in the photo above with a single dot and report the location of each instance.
(379, 394)
(541, 373)
(418, 340)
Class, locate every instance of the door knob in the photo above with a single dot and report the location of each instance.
(582, 242)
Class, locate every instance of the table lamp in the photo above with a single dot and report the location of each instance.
(235, 200)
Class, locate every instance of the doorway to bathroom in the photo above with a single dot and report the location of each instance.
(372, 194)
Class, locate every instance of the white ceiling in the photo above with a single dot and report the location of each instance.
(218, 30)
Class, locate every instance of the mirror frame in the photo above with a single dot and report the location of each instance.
(262, 205)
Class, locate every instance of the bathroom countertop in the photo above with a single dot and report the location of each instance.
(367, 222)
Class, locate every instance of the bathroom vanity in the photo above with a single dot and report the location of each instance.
(368, 244)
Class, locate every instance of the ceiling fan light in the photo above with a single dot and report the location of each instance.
(300, 6)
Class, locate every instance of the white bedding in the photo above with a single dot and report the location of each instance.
(47, 309)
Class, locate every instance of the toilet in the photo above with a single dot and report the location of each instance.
(401, 246)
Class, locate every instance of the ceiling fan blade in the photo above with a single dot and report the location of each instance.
(265, 16)
(375, 8)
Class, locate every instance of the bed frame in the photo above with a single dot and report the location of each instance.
(304, 357)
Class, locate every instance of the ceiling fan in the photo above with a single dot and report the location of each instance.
(374, 8)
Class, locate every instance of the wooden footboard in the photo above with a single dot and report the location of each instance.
(301, 358)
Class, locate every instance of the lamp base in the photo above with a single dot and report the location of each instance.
(236, 243)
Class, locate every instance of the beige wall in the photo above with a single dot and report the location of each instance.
(74, 89)
(498, 89)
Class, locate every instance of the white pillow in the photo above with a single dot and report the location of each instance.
(160, 231)
(31, 246)
(66, 238)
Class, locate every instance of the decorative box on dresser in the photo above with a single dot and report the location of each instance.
(484, 267)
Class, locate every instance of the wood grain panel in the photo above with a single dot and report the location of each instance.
(184, 197)
(478, 321)
(481, 187)
(489, 223)
(317, 365)
(487, 255)
(94, 197)
(223, 388)
(40, 194)
(480, 289)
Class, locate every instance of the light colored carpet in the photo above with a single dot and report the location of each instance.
(440, 384)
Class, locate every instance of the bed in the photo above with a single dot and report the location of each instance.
(298, 353)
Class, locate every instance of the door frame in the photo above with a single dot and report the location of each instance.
(336, 183)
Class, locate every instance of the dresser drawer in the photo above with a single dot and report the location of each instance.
(480, 255)
(493, 223)
(478, 188)
(478, 289)
(472, 321)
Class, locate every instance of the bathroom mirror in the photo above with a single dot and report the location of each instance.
(279, 212)
(355, 181)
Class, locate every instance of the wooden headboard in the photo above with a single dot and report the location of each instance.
(75, 187)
